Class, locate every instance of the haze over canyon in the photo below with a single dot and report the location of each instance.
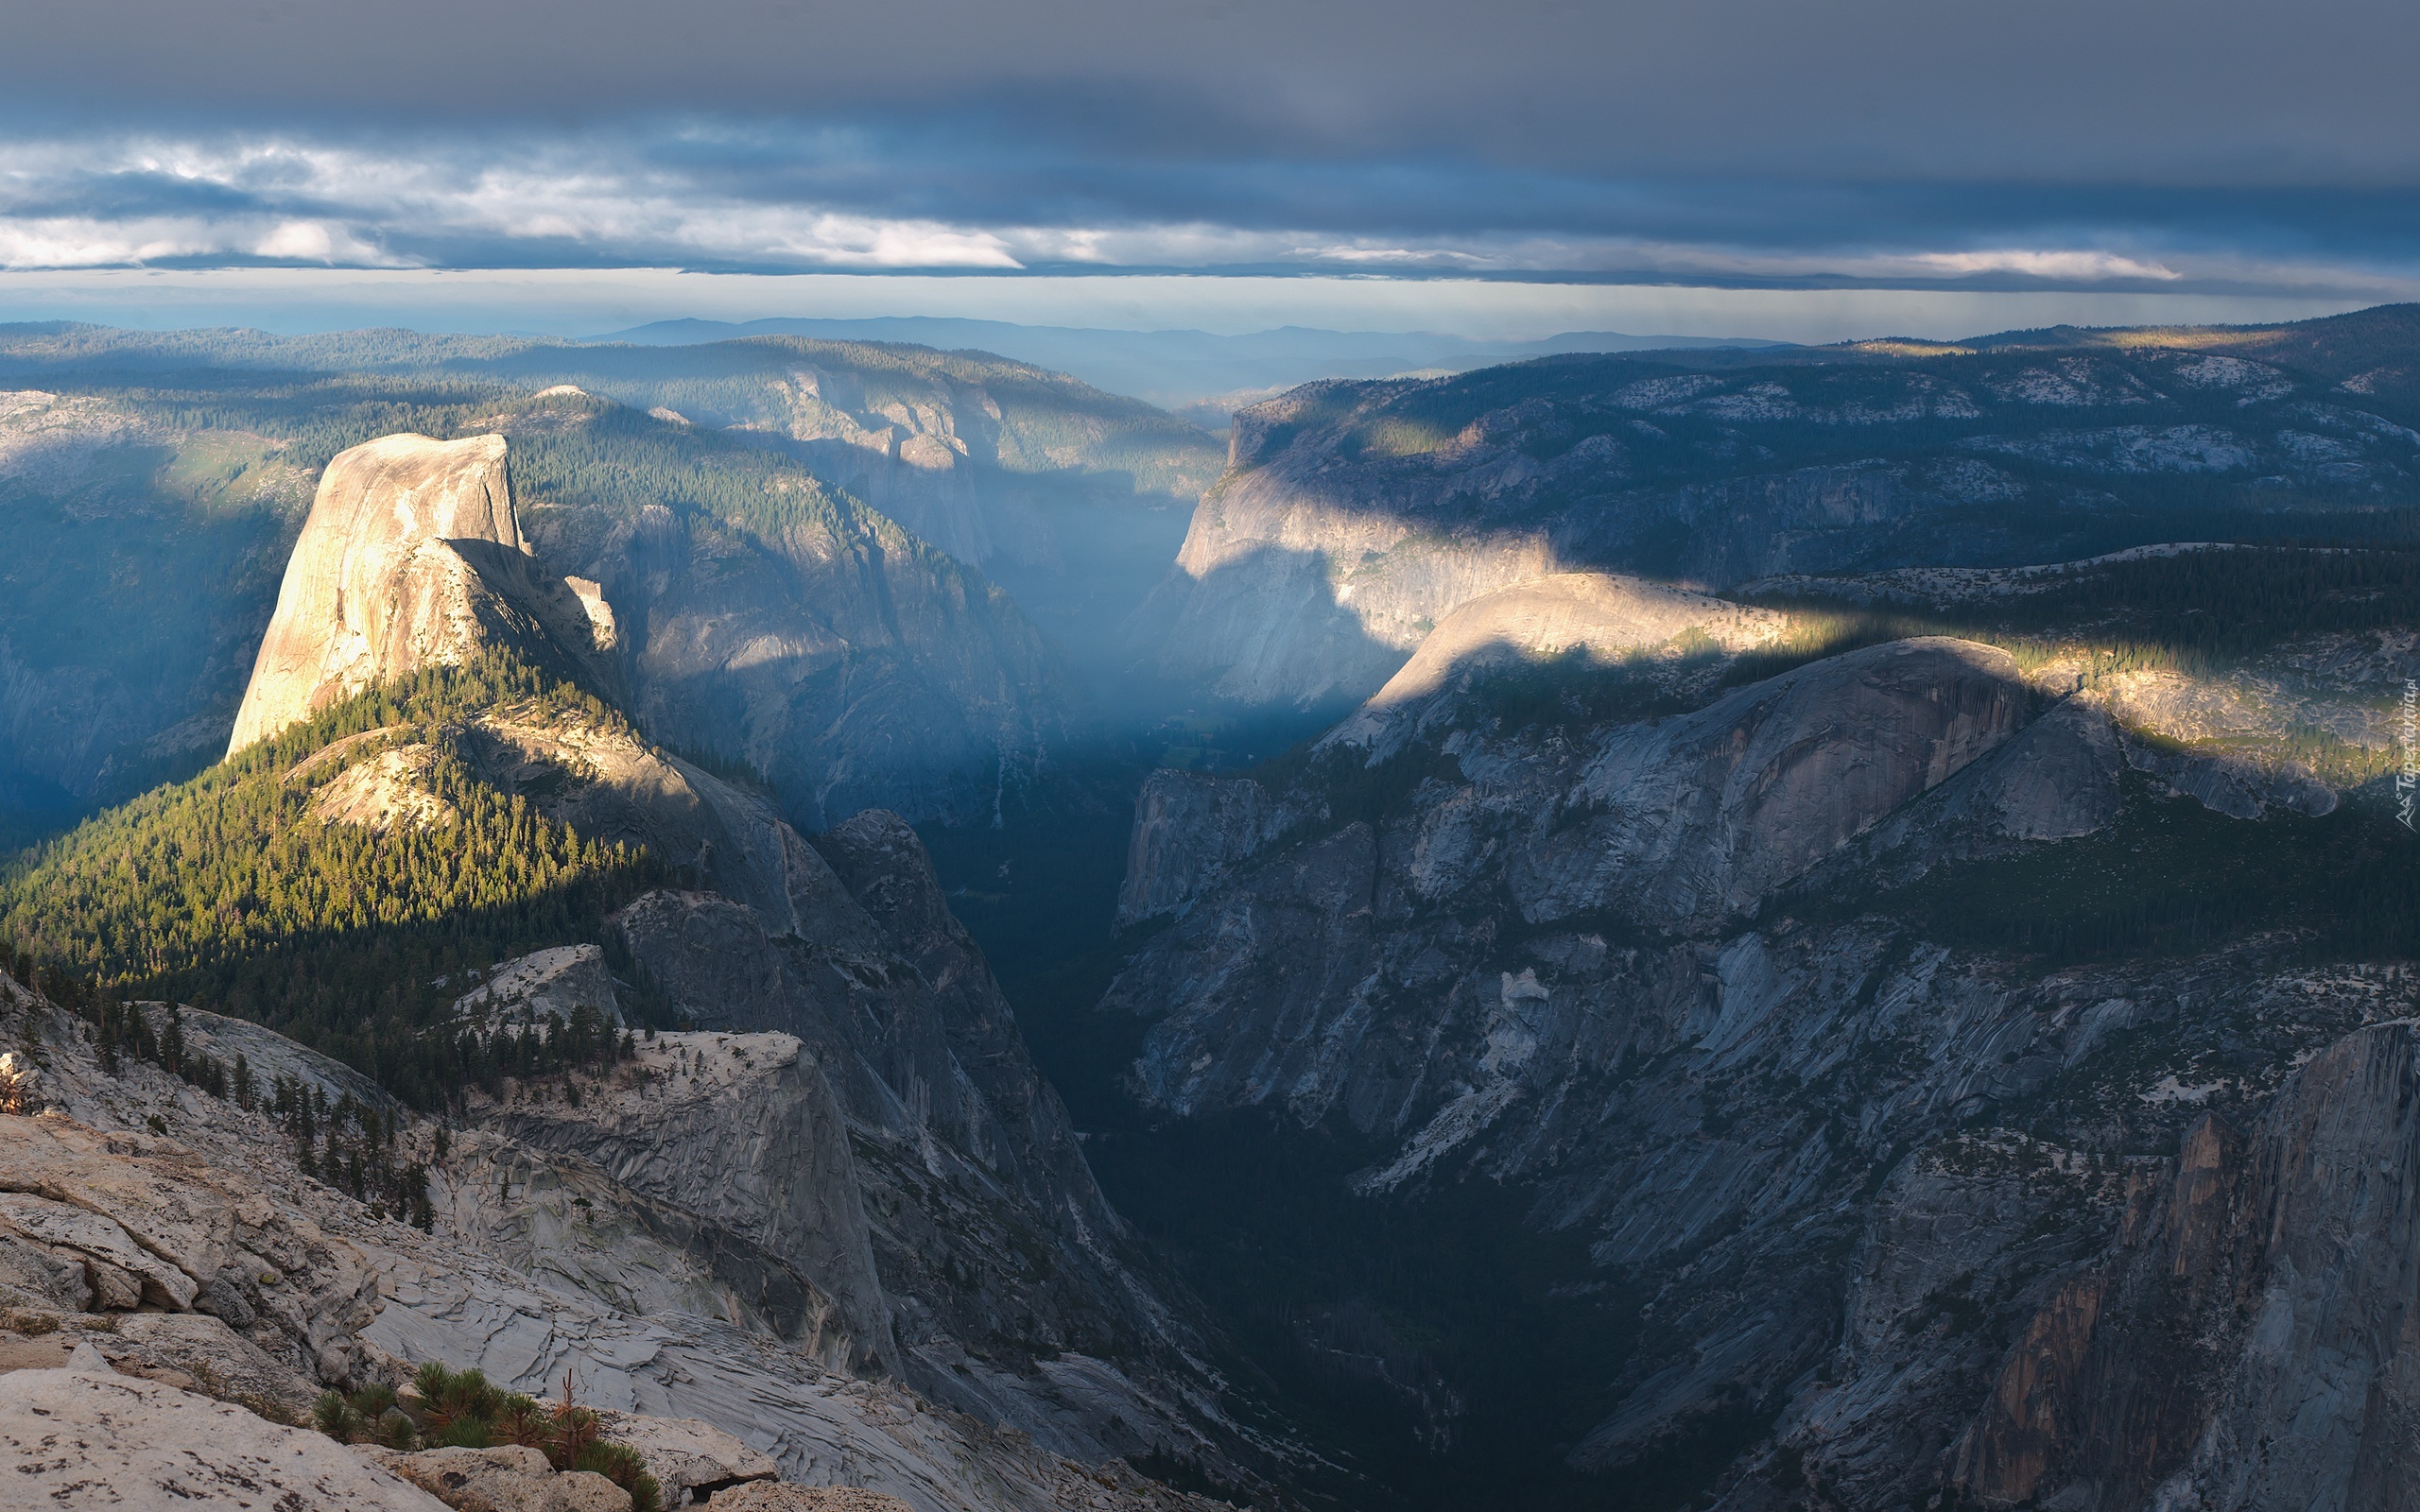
(1105, 760)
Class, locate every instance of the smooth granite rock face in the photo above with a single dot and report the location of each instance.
(1703, 815)
(375, 587)
(543, 1270)
(559, 980)
(741, 1136)
(1189, 827)
(411, 557)
(1948, 1223)
(74, 1439)
(512, 1479)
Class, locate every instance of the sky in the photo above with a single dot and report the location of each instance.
(1814, 169)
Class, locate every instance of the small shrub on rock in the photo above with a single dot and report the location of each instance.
(334, 1415)
(369, 1415)
(621, 1464)
(524, 1422)
(453, 1409)
(396, 1431)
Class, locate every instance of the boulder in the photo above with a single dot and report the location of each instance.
(73, 1438)
(511, 1478)
(690, 1460)
(107, 1251)
(780, 1496)
(203, 1349)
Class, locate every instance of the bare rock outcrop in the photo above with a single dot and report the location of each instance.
(2057, 780)
(199, 1351)
(1701, 815)
(510, 1479)
(740, 1137)
(559, 980)
(2059, 777)
(150, 1222)
(457, 1296)
(690, 1460)
(390, 789)
(76, 1438)
(411, 557)
(1189, 828)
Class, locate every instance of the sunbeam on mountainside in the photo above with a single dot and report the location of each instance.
(1520, 1010)
(1003, 759)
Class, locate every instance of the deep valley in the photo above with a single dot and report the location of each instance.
(1813, 928)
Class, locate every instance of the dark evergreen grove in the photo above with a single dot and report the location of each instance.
(224, 892)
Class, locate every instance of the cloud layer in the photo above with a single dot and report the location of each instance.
(2214, 145)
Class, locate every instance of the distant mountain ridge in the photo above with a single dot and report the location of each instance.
(155, 481)
(1354, 516)
(1189, 372)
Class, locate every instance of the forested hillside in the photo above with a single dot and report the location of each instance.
(229, 890)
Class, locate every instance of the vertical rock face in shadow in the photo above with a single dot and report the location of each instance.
(1187, 828)
(1705, 814)
(748, 1161)
(411, 557)
(1013, 1291)
(2260, 1342)
(2130, 1237)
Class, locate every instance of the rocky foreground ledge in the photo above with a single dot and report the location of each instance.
(175, 1297)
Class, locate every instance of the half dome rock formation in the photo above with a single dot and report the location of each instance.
(411, 557)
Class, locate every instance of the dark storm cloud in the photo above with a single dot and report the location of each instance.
(2156, 141)
(2063, 87)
